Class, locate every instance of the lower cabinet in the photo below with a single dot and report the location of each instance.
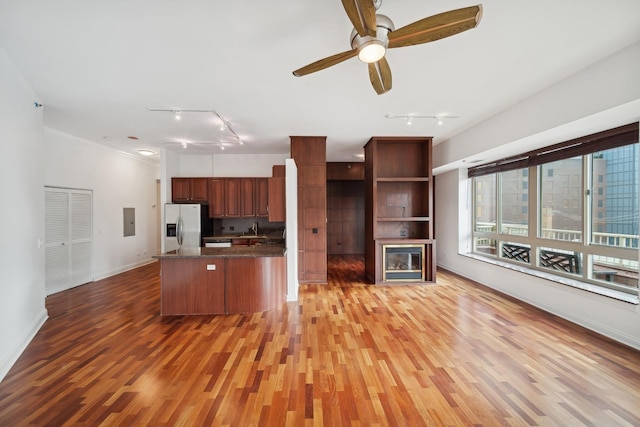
(254, 284)
(192, 286)
(224, 285)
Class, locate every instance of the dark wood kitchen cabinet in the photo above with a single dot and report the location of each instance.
(224, 197)
(262, 197)
(254, 197)
(277, 199)
(189, 190)
(247, 197)
(192, 286)
(238, 197)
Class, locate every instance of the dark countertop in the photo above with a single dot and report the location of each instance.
(272, 250)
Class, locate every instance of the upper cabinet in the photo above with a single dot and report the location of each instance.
(262, 197)
(233, 197)
(189, 190)
(276, 199)
(224, 197)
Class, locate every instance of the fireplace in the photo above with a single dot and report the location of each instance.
(403, 263)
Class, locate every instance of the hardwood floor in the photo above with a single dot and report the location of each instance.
(452, 353)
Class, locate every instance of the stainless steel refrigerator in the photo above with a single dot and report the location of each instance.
(185, 225)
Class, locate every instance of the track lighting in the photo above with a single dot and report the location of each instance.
(411, 117)
(218, 121)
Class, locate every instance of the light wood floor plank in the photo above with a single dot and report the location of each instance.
(347, 354)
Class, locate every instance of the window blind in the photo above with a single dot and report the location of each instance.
(605, 140)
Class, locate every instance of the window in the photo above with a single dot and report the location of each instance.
(560, 214)
(485, 195)
(571, 209)
(513, 198)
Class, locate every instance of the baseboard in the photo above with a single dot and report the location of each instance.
(109, 273)
(586, 323)
(15, 353)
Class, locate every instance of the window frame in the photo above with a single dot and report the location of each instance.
(531, 164)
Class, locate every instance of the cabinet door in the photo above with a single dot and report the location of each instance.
(216, 198)
(198, 190)
(247, 190)
(277, 202)
(180, 190)
(232, 197)
(262, 197)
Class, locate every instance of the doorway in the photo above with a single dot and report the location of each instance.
(68, 238)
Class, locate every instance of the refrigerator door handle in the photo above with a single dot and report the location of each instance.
(179, 232)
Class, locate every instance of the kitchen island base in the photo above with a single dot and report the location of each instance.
(191, 285)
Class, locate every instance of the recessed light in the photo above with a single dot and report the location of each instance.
(146, 152)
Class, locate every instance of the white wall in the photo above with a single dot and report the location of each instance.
(118, 181)
(22, 290)
(604, 95)
(227, 165)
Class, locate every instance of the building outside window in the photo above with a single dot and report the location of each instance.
(570, 212)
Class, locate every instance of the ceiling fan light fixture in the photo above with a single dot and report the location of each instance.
(371, 51)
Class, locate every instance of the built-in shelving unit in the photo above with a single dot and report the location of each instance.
(399, 209)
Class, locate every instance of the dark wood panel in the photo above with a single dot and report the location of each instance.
(199, 189)
(277, 199)
(255, 284)
(313, 197)
(262, 197)
(188, 287)
(309, 150)
(315, 241)
(247, 197)
(315, 218)
(345, 217)
(309, 154)
(403, 157)
(216, 198)
(233, 193)
(312, 175)
(352, 171)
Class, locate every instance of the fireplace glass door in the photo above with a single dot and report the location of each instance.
(403, 262)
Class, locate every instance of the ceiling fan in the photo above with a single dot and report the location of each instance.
(373, 34)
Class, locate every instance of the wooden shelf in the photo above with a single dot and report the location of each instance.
(399, 200)
(405, 219)
(404, 179)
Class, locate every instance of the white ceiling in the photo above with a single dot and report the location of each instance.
(99, 66)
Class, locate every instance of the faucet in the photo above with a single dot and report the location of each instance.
(254, 228)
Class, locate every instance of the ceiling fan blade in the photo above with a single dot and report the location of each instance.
(362, 15)
(325, 63)
(436, 27)
(380, 76)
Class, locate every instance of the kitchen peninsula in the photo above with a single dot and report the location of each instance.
(223, 280)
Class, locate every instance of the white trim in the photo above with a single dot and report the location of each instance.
(14, 354)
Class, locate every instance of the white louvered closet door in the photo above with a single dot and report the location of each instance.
(68, 238)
